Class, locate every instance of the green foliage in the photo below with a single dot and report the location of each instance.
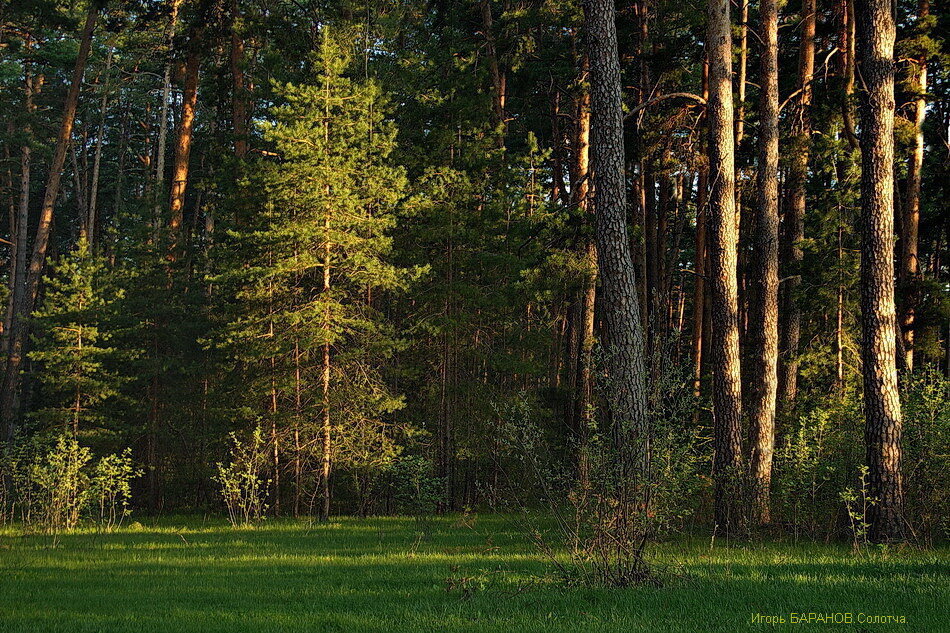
(61, 484)
(111, 488)
(55, 483)
(816, 457)
(80, 372)
(926, 409)
(304, 282)
(243, 486)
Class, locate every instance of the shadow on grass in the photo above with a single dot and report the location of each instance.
(377, 575)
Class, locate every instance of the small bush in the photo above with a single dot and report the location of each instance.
(243, 486)
(55, 484)
(111, 488)
(61, 484)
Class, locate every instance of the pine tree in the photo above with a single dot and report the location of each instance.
(79, 371)
(311, 274)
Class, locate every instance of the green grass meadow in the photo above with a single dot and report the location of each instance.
(475, 573)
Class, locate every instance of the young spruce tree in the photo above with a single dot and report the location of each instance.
(78, 370)
(311, 274)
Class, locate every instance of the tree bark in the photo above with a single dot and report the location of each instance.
(910, 265)
(19, 330)
(723, 259)
(189, 100)
(622, 332)
(876, 34)
(764, 318)
(163, 122)
(794, 231)
(19, 223)
(583, 414)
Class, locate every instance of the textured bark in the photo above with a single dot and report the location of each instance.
(794, 231)
(622, 333)
(763, 322)
(19, 222)
(179, 184)
(876, 34)
(19, 330)
(163, 121)
(582, 384)
(723, 256)
(909, 264)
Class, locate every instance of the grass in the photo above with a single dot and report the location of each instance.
(479, 574)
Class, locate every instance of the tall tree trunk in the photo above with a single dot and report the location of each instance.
(19, 223)
(238, 96)
(19, 330)
(876, 34)
(909, 265)
(623, 334)
(583, 389)
(699, 288)
(189, 100)
(764, 317)
(326, 439)
(723, 258)
(163, 121)
(499, 79)
(794, 231)
(97, 161)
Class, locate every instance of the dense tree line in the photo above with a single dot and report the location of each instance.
(716, 234)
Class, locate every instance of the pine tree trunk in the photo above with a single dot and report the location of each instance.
(582, 384)
(910, 266)
(97, 161)
(622, 336)
(163, 122)
(238, 96)
(764, 314)
(723, 256)
(876, 34)
(794, 231)
(700, 307)
(186, 124)
(19, 224)
(19, 330)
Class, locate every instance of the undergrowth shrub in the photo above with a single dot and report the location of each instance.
(925, 402)
(601, 526)
(243, 484)
(55, 484)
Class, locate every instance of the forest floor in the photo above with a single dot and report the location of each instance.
(477, 573)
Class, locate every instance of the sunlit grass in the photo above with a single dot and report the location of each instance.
(190, 574)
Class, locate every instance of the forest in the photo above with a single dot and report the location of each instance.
(552, 296)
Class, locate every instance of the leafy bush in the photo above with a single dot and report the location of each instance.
(415, 489)
(111, 488)
(55, 484)
(243, 485)
(62, 485)
(926, 408)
